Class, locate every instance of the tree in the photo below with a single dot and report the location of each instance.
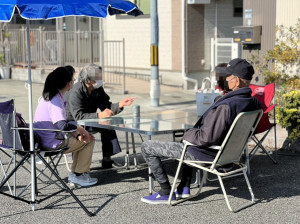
(281, 65)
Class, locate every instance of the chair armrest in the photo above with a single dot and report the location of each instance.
(186, 142)
(216, 147)
(42, 129)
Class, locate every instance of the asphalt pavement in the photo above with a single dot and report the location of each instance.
(116, 198)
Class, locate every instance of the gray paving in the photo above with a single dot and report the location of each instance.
(116, 198)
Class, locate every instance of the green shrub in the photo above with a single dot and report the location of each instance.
(288, 113)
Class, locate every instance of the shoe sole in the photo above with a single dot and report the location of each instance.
(83, 184)
(158, 202)
(181, 196)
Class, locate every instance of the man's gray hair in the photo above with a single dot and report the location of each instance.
(245, 83)
(90, 72)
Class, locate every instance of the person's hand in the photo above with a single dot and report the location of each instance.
(105, 113)
(85, 136)
(126, 102)
(105, 122)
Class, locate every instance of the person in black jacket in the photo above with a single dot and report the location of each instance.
(83, 101)
(210, 129)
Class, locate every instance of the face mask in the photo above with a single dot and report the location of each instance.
(98, 84)
(226, 87)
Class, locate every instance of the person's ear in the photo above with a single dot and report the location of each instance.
(238, 82)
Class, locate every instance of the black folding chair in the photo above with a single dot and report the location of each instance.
(12, 142)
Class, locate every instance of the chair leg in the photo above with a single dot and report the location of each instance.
(4, 176)
(67, 163)
(65, 186)
(226, 197)
(258, 142)
(203, 180)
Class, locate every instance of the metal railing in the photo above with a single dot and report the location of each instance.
(59, 48)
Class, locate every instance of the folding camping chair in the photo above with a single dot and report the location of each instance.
(229, 152)
(11, 141)
(8, 141)
(264, 94)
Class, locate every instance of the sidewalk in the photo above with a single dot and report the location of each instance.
(116, 198)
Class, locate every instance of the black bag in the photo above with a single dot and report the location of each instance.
(24, 134)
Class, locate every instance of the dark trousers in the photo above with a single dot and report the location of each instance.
(110, 142)
(153, 151)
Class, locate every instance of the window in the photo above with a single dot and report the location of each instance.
(237, 8)
(143, 5)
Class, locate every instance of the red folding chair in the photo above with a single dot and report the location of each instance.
(264, 94)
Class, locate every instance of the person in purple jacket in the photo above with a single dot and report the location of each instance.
(210, 129)
(51, 114)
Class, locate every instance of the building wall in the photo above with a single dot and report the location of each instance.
(137, 34)
(287, 12)
(264, 14)
(195, 37)
(176, 37)
(225, 22)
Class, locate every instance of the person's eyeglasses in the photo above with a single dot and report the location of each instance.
(231, 78)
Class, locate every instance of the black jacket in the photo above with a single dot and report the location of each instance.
(214, 124)
(81, 105)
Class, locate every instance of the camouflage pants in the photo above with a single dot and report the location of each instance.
(152, 152)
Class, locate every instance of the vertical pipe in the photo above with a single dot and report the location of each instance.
(76, 41)
(29, 84)
(183, 47)
(91, 40)
(155, 86)
(216, 35)
(101, 44)
(124, 78)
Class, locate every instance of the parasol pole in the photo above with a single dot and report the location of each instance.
(29, 87)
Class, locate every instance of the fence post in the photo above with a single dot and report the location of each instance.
(24, 46)
(124, 84)
(76, 48)
(40, 46)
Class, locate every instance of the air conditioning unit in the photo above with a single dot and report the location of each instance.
(198, 1)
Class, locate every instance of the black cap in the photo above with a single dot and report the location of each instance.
(240, 68)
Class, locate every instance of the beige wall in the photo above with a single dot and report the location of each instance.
(287, 12)
(176, 35)
(136, 32)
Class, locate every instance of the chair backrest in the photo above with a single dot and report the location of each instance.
(7, 120)
(264, 94)
(237, 137)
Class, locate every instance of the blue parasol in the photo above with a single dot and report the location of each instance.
(49, 9)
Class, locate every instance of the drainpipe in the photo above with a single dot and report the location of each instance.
(183, 19)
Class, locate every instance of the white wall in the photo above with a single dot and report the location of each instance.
(287, 12)
(136, 32)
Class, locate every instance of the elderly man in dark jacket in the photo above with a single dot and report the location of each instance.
(83, 101)
(210, 129)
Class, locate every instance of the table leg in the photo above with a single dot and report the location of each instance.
(127, 152)
(151, 184)
(135, 159)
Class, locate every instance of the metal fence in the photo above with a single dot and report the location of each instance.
(58, 48)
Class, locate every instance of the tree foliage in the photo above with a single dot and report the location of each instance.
(281, 66)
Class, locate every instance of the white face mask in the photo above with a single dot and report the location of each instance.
(98, 84)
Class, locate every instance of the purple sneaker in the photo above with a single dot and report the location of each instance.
(157, 199)
(183, 192)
